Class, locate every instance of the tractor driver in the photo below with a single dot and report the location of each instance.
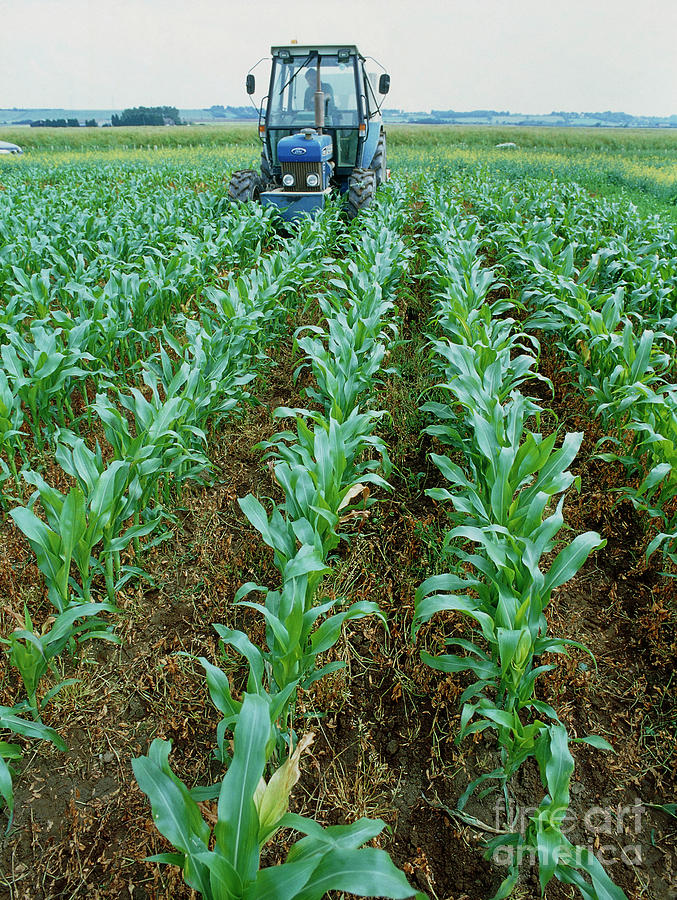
(309, 98)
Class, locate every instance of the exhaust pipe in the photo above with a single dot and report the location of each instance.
(319, 102)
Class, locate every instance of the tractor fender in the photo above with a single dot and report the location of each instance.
(370, 145)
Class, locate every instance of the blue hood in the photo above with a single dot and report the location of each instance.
(311, 147)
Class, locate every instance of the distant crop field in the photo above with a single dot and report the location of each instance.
(310, 530)
(638, 163)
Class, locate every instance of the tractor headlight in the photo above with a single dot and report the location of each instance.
(313, 179)
(288, 180)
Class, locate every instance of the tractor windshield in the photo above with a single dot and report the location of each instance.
(292, 101)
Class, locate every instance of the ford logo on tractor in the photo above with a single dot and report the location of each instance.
(298, 151)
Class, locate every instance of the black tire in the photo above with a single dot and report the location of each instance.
(361, 191)
(245, 184)
(379, 162)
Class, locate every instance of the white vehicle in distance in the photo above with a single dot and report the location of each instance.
(9, 148)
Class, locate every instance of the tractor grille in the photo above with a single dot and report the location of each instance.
(300, 170)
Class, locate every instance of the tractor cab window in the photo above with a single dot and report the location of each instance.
(292, 102)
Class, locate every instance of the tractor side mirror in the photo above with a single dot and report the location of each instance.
(384, 84)
(251, 83)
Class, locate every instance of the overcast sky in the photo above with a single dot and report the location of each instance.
(527, 56)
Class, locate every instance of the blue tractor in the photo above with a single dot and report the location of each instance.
(322, 132)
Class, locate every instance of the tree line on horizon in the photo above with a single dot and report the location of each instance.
(147, 115)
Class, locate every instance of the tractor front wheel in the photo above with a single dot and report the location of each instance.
(361, 191)
(245, 184)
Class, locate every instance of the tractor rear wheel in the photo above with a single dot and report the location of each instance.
(245, 184)
(361, 190)
(378, 163)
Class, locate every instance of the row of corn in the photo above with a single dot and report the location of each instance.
(323, 467)
(605, 284)
(505, 499)
(155, 440)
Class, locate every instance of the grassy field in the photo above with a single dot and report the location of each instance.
(638, 164)
(147, 340)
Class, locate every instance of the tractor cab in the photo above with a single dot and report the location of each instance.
(321, 129)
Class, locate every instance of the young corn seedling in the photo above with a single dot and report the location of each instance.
(66, 537)
(42, 375)
(544, 839)
(224, 863)
(33, 654)
(342, 372)
(11, 440)
(320, 471)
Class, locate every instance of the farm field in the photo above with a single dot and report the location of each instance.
(408, 484)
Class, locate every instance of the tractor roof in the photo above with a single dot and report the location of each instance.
(322, 49)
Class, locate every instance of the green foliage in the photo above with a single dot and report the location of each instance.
(502, 496)
(147, 115)
(225, 863)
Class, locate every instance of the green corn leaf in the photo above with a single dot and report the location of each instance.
(669, 808)
(603, 887)
(225, 883)
(6, 790)
(277, 627)
(508, 640)
(307, 560)
(427, 608)
(256, 514)
(594, 740)
(449, 662)
(240, 641)
(219, 690)
(281, 882)
(559, 766)
(237, 828)
(507, 886)
(317, 674)
(570, 560)
(367, 872)
(72, 522)
(135, 531)
(170, 859)
(548, 845)
(31, 729)
(175, 813)
(328, 632)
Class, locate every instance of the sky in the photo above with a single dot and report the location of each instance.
(528, 56)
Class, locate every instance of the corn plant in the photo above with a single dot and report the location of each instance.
(211, 371)
(320, 470)
(42, 374)
(557, 857)
(11, 439)
(293, 635)
(502, 504)
(93, 512)
(33, 654)
(343, 371)
(65, 538)
(505, 602)
(224, 862)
